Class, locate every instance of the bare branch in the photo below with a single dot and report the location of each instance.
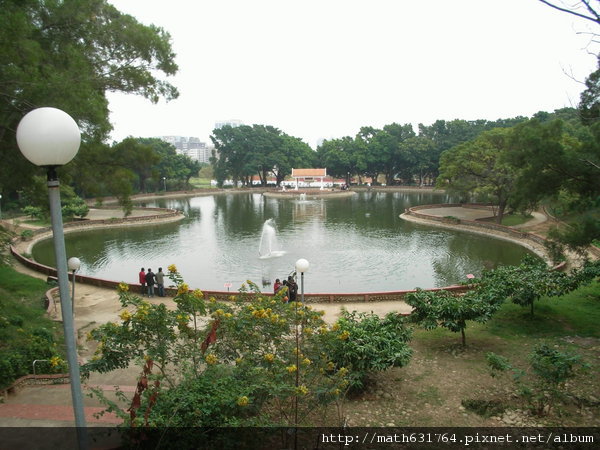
(594, 17)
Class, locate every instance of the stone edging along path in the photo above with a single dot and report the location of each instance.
(531, 241)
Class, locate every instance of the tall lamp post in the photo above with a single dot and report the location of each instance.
(165, 183)
(49, 137)
(74, 264)
(301, 266)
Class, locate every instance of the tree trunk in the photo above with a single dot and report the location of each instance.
(531, 308)
(501, 209)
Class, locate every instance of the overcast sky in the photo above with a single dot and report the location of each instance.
(323, 68)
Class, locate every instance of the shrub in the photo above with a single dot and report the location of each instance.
(365, 343)
(550, 368)
(34, 212)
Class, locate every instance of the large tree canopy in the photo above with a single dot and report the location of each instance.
(244, 151)
(68, 54)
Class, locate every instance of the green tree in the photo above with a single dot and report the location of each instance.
(533, 279)
(480, 168)
(69, 54)
(139, 158)
(244, 151)
(432, 309)
(340, 157)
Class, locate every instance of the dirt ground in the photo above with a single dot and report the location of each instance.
(441, 375)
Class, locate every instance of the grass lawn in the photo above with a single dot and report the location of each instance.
(510, 220)
(442, 376)
(200, 183)
(26, 333)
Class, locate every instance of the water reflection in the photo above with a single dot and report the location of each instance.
(354, 244)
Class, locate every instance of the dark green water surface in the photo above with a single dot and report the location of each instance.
(356, 244)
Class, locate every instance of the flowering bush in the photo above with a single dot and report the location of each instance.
(364, 343)
(257, 360)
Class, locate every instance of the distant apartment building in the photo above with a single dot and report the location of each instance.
(189, 146)
(232, 123)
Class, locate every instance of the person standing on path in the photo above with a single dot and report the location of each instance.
(142, 279)
(160, 282)
(150, 280)
(293, 287)
(276, 286)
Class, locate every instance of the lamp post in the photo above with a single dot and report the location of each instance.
(74, 264)
(0, 206)
(49, 137)
(302, 266)
(165, 183)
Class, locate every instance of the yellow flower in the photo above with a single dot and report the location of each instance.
(123, 287)
(219, 312)
(198, 294)
(269, 357)
(306, 362)
(330, 365)
(292, 368)
(172, 268)
(308, 331)
(183, 318)
(125, 315)
(302, 390)
(183, 288)
(243, 401)
(335, 326)
(238, 360)
(343, 371)
(345, 335)
(55, 361)
(232, 298)
(336, 392)
(228, 315)
(212, 300)
(211, 359)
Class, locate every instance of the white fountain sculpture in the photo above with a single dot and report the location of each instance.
(268, 246)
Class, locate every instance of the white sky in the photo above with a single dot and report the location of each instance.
(323, 68)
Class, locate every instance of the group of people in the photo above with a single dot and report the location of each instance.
(149, 279)
(288, 288)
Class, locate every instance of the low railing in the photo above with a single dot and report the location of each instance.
(416, 212)
(225, 295)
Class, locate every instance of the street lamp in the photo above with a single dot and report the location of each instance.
(165, 183)
(74, 264)
(49, 137)
(302, 266)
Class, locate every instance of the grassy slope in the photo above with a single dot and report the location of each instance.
(22, 310)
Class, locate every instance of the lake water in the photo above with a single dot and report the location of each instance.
(354, 244)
